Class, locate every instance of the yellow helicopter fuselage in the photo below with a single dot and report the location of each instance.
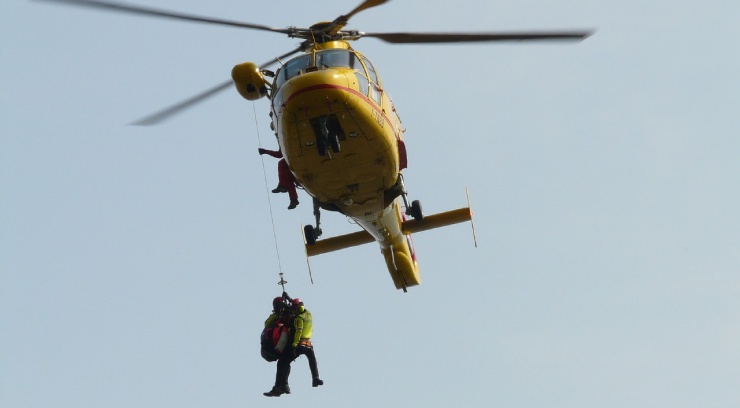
(342, 139)
(352, 106)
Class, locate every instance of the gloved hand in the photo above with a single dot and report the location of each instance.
(261, 151)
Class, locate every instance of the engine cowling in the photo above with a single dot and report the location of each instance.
(249, 81)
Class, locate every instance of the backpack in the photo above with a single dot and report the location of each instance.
(273, 341)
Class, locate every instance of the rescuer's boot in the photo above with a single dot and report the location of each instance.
(279, 189)
(317, 381)
(293, 204)
(277, 391)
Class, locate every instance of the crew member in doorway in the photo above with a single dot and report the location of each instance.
(286, 179)
(301, 330)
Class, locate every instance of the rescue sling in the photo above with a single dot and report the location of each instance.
(273, 341)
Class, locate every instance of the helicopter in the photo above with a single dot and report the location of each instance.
(338, 129)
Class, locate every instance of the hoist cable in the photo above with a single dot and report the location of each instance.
(269, 201)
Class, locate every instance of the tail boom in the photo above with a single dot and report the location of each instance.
(391, 232)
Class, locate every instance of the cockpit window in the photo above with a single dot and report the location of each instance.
(324, 59)
(370, 70)
(293, 68)
(335, 59)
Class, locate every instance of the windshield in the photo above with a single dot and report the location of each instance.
(324, 60)
(335, 59)
(293, 68)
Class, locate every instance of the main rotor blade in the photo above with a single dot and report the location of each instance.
(124, 8)
(342, 20)
(155, 118)
(173, 110)
(429, 38)
(364, 6)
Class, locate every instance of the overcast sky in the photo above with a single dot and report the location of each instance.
(137, 264)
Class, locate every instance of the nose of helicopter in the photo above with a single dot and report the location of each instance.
(318, 90)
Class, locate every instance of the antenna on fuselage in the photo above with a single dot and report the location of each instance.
(472, 226)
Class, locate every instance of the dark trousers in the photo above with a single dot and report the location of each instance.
(283, 364)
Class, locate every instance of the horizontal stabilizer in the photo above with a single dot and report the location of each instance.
(437, 220)
(339, 242)
(363, 237)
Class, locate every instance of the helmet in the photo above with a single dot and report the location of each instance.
(278, 303)
(297, 306)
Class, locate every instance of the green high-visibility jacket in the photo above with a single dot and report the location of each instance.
(303, 326)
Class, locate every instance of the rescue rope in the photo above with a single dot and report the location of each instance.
(269, 202)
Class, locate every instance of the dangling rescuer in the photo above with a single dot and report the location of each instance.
(300, 324)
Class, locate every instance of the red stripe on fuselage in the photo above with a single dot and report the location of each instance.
(341, 88)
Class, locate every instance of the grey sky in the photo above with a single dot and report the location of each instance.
(138, 264)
